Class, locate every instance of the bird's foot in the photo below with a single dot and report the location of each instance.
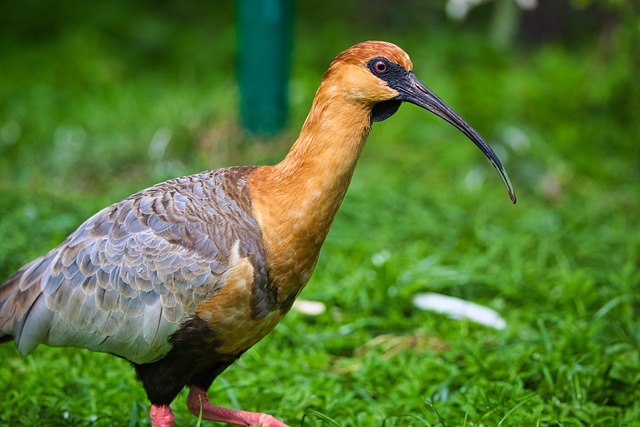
(197, 401)
(161, 416)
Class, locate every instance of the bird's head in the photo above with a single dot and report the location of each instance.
(380, 76)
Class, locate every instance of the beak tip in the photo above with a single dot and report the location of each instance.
(506, 180)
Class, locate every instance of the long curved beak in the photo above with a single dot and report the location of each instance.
(414, 91)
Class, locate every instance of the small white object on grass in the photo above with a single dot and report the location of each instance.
(457, 308)
(311, 308)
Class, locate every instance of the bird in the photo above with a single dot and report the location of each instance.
(183, 277)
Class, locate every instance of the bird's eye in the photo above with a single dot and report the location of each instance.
(381, 67)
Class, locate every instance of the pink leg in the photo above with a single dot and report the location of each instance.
(197, 398)
(161, 416)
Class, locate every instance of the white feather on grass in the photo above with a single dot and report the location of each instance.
(457, 308)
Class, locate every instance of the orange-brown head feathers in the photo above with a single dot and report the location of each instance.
(349, 72)
(362, 53)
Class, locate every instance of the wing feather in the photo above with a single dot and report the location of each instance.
(128, 277)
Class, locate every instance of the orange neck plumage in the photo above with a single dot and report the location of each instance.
(296, 200)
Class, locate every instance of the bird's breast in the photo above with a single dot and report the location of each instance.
(294, 214)
(238, 314)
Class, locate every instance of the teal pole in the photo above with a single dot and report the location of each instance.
(264, 34)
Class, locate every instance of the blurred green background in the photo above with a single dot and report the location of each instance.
(101, 99)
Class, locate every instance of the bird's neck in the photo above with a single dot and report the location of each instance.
(296, 200)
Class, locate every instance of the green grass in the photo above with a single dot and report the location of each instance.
(425, 213)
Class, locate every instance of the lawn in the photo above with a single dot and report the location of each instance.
(94, 109)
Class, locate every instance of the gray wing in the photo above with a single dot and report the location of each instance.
(126, 279)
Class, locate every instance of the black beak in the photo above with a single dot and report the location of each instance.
(414, 91)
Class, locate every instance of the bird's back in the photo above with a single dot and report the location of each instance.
(132, 274)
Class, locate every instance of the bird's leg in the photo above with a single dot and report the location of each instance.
(161, 416)
(197, 400)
